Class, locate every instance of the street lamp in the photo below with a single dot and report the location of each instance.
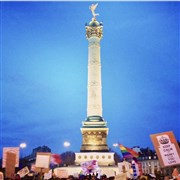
(115, 145)
(67, 154)
(66, 144)
(22, 146)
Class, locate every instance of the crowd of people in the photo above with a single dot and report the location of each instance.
(40, 176)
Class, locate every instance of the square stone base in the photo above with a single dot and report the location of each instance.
(103, 158)
(94, 139)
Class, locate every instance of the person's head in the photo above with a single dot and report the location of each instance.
(103, 176)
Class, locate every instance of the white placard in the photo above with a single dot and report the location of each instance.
(168, 150)
(62, 173)
(124, 167)
(108, 172)
(121, 177)
(42, 160)
(48, 175)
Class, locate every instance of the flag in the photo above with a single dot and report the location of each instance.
(134, 153)
(128, 152)
(55, 159)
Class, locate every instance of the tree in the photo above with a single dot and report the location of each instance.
(117, 158)
(68, 158)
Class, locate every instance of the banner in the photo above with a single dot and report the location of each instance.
(167, 149)
(14, 150)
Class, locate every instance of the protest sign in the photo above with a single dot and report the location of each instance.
(42, 162)
(48, 175)
(23, 172)
(124, 167)
(62, 173)
(14, 150)
(10, 164)
(121, 177)
(108, 172)
(167, 149)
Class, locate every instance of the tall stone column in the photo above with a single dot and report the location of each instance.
(94, 130)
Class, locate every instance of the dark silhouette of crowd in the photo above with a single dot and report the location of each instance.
(40, 176)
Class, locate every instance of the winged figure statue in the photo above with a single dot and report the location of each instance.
(92, 8)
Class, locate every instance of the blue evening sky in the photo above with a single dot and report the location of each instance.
(44, 55)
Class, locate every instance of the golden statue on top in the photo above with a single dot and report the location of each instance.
(92, 8)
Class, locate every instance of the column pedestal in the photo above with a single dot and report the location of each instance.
(103, 159)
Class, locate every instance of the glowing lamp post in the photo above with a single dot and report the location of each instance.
(66, 161)
(22, 146)
(115, 145)
(66, 144)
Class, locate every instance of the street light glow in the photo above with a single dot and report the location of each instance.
(23, 145)
(66, 144)
(115, 145)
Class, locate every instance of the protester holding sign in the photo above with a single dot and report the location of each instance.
(175, 174)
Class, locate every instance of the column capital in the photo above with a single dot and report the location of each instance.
(94, 29)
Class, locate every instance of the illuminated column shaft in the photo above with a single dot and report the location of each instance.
(94, 78)
(94, 102)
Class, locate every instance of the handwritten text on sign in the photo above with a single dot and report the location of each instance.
(168, 150)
